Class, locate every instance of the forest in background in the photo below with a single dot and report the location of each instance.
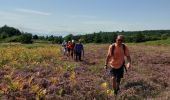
(11, 34)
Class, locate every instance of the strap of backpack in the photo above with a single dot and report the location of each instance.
(113, 48)
(124, 47)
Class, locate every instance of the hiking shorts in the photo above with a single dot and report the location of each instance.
(118, 73)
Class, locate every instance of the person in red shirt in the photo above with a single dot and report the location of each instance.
(69, 47)
(72, 48)
(115, 58)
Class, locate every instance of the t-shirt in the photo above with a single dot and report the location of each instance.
(69, 45)
(72, 45)
(117, 58)
(78, 48)
(64, 44)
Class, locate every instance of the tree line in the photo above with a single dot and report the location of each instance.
(130, 36)
(11, 34)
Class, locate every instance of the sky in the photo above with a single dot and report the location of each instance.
(62, 17)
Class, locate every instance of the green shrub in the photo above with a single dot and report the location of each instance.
(26, 38)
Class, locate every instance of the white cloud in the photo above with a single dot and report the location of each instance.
(33, 11)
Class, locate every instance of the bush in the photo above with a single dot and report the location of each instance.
(164, 36)
(13, 39)
(26, 38)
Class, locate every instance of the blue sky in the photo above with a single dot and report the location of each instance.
(61, 17)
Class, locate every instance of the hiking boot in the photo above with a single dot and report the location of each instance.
(115, 92)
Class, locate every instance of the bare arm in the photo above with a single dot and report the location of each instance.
(129, 59)
(108, 56)
(107, 59)
(127, 54)
(129, 62)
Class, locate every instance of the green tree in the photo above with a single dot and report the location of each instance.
(164, 36)
(10, 31)
(51, 38)
(35, 37)
(26, 38)
(3, 35)
(58, 39)
(105, 38)
(97, 38)
(68, 37)
(139, 37)
(41, 37)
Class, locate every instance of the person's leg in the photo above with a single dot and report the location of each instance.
(68, 51)
(113, 73)
(120, 73)
(76, 56)
(113, 78)
(72, 53)
(80, 56)
(117, 85)
(65, 51)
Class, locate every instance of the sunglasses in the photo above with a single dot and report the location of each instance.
(120, 40)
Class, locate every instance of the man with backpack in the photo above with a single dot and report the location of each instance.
(115, 57)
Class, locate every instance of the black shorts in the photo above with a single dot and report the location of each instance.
(118, 73)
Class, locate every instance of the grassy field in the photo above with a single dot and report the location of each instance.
(41, 72)
(159, 42)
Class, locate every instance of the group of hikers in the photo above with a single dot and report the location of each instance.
(115, 59)
(75, 50)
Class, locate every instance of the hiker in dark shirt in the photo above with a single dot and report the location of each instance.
(79, 50)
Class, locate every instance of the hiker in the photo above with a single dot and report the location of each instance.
(72, 48)
(69, 48)
(115, 57)
(79, 51)
(64, 45)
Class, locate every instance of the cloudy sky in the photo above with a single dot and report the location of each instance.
(61, 17)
